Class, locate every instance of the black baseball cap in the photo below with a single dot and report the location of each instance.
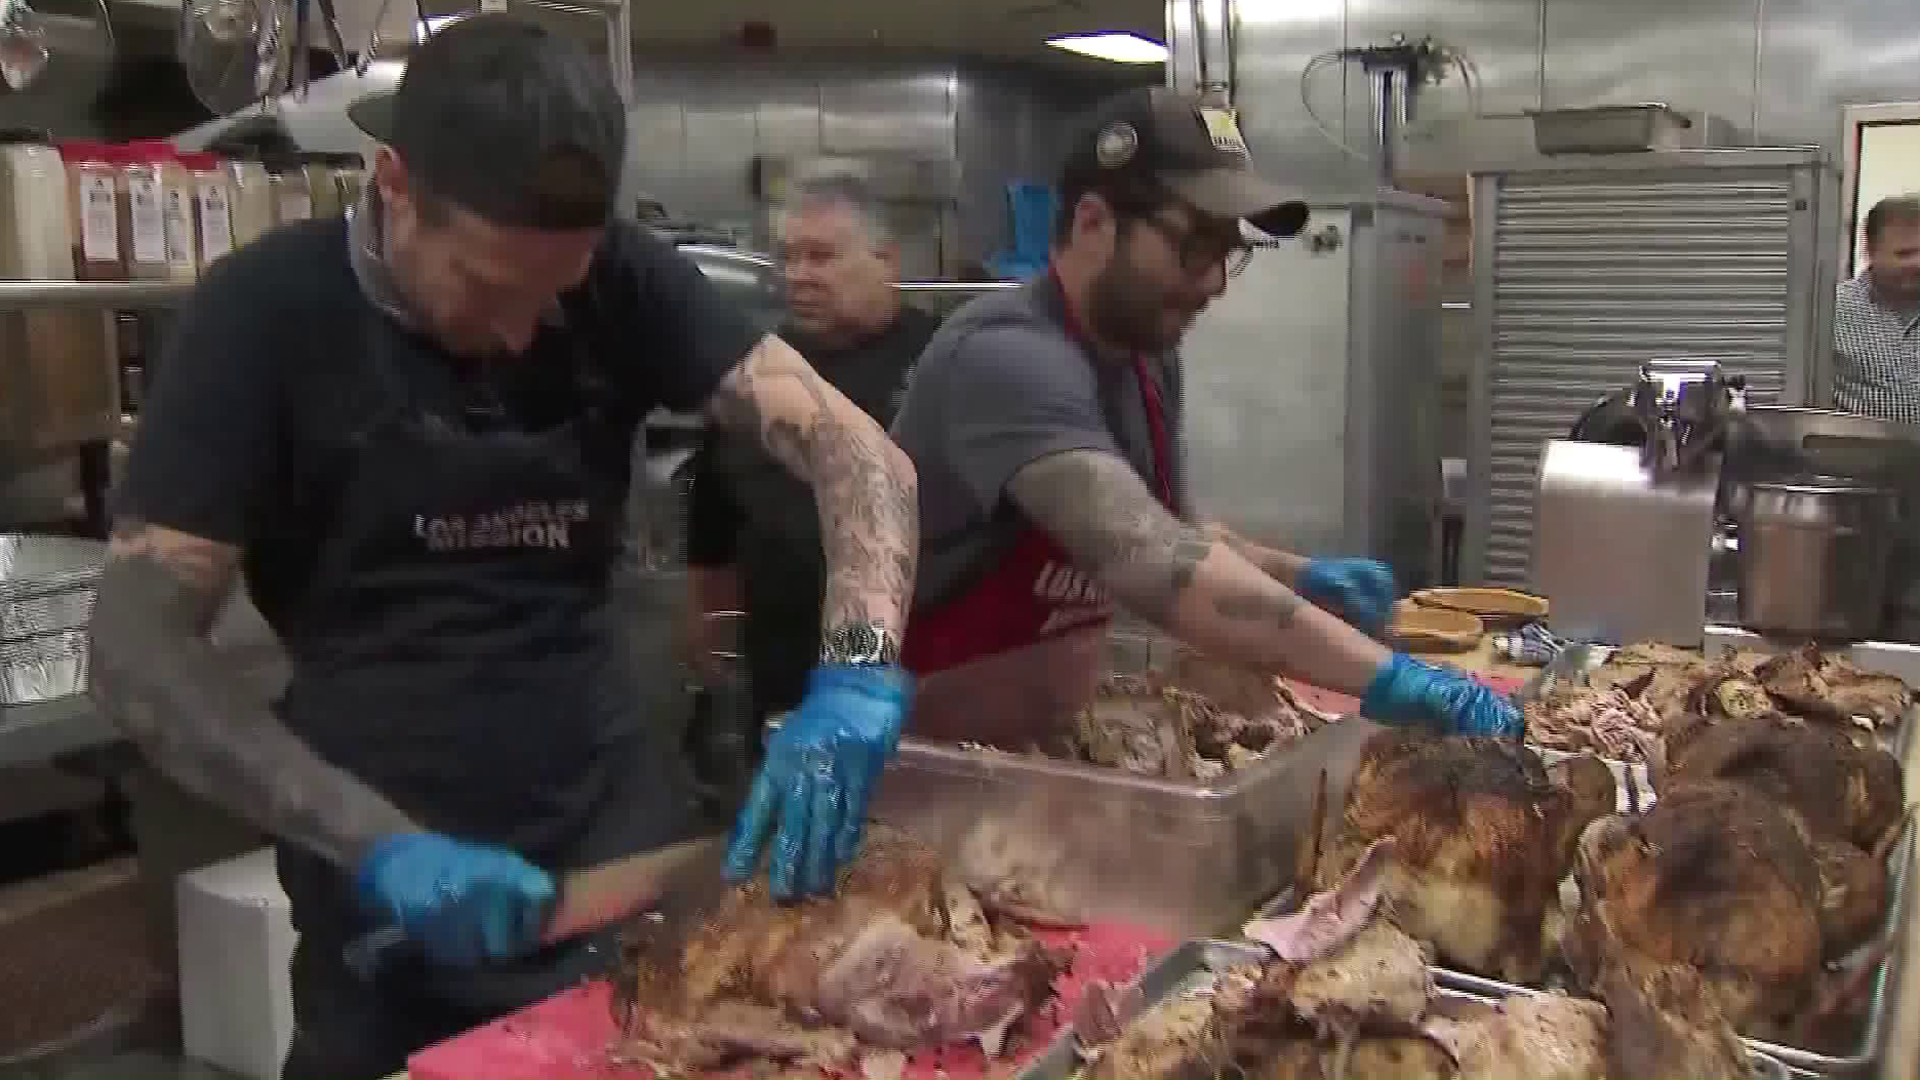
(509, 120)
(1163, 137)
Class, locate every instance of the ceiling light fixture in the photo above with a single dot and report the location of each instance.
(1120, 48)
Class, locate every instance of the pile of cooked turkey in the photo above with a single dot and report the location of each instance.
(1740, 887)
(1745, 894)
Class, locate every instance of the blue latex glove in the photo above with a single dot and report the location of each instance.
(1407, 691)
(464, 903)
(1361, 591)
(820, 771)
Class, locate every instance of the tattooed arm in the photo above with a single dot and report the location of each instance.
(1183, 577)
(1281, 566)
(863, 484)
(155, 674)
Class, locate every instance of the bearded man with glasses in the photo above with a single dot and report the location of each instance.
(1045, 428)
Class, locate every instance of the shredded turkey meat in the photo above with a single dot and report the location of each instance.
(1201, 722)
(1607, 722)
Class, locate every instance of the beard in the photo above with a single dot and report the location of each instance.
(1126, 309)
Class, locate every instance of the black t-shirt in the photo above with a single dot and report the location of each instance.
(266, 378)
(747, 511)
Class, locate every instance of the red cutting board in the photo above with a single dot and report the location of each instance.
(567, 1036)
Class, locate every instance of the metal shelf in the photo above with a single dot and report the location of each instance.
(33, 295)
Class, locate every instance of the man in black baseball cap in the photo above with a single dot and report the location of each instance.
(411, 431)
(1045, 427)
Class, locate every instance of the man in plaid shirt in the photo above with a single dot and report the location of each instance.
(1876, 319)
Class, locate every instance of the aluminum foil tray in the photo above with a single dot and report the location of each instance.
(26, 557)
(1190, 968)
(46, 584)
(43, 667)
(1866, 1050)
(31, 616)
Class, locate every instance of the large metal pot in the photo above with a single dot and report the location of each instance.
(1781, 443)
(1814, 555)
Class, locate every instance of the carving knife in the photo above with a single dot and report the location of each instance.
(584, 900)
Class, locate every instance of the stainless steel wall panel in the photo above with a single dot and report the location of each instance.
(1310, 388)
(787, 122)
(1503, 37)
(1008, 127)
(1266, 407)
(1274, 40)
(656, 145)
(722, 137)
(1817, 56)
(699, 121)
(1589, 272)
(1780, 67)
(1694, 55)
(903, 112)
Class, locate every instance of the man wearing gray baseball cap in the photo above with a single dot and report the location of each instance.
(1045, 426)
(411, 431)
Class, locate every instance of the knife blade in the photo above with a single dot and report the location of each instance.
(584, 900)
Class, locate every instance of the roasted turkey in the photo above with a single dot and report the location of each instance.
(1483, 835)
(1714, 882)
(900, 958)
(1827, 686)
(1538, 1037)
(1345, 995)
(1845, 797)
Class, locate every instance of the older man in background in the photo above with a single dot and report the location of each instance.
(753, 534)
(1876, 319)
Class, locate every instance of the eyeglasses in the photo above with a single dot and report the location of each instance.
(1202, 249)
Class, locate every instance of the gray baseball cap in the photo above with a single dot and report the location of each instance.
(1172, 140)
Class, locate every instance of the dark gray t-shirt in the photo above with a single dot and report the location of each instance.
(1002, 385)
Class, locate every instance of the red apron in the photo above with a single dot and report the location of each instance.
(1034, 593)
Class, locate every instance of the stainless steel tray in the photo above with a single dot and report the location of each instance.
(1101, 844)
(1188, 966)
(1867, 1049)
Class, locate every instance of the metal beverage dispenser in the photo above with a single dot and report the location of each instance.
(1623, 534)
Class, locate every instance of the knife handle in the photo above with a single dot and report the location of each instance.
(365, 954)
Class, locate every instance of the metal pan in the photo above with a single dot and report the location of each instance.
(1866, 1050)
(1188, 966)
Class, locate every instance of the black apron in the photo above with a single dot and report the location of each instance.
(455, 651)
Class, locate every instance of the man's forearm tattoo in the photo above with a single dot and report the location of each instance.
(156, 675)
(869, 515)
